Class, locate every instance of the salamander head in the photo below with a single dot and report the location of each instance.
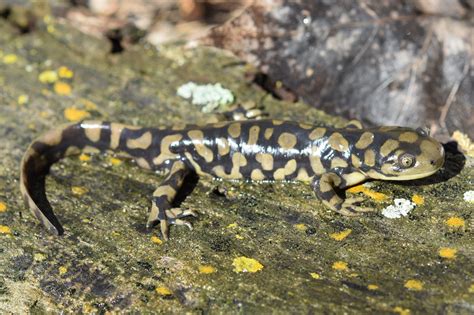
(406, 154)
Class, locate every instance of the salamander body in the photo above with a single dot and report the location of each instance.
(328, 159)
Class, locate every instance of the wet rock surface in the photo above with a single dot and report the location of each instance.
(299, 256)
(386, 63)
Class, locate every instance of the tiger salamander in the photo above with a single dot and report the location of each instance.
(329, 159)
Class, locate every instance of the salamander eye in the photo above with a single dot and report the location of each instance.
(406, 160)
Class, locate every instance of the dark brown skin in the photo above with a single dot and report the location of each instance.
(327, 158)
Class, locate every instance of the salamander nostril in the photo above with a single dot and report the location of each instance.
(432, 162)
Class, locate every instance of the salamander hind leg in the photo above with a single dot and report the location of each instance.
(325, 188)
(163, 196)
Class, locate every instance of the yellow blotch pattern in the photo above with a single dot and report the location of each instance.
(62, 270)
(340, 265)
(418, 200)
(3, 207)
(368, 192)
(448, 253)
(78, 190)
(48, 76)
(156, 240)
(10, 59)
(414, 285)
(5, 229)
(62, 88)
(206, 269)
(372, 287)
(74, 114)
(455, 222)
(340, 235)
(245, 264)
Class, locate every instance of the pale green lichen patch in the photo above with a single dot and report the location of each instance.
(207, 96)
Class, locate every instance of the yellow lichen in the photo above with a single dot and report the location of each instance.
(448, 253)
(418, 200)
(401, 311)
(10, 59)
(232, 225)
(315, 275)
(78, 191)
(84, 157)
(62, 270)
(340, 235)
(3, 207)
(372, 287)
(379, 197)
(206, 269)
(44, 114)
(156, 240)
(239, 237)
(245, 264)
(74, 114)
(62, 88)
(5, 229)
(455, 222)
(471, 288)
(339, 265)
(88, 104)
(301, 227)
(48, 76)
(22, 99)
(163, 291)
(414, 285)
(115, 161)
(65, 72)
(39, 257)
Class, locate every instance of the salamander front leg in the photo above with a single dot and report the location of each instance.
(324, 187)
(163, 198)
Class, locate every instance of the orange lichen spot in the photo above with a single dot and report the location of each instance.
(339, 236)
(245, 264)
(232, 225)
(455, 222)
(114, 161)
(62, 88)
(88, 104)
(78, 190)
(163, 291)
(401, 311)
(340, 265)
(22, 99)
(448, 253)
(39, 257)
(62, 270)
(65, 72)
(74, 114)
(9, 59)
(315, 275)
(414, 285)
(239, 237)
(5, 229)
(418, 200)
(48, 76)
(206, 269)
(301, 227)
(379, 197)
(84, 157)
(471, 288)
(372, 287)
(156, 240)
(3, 207)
